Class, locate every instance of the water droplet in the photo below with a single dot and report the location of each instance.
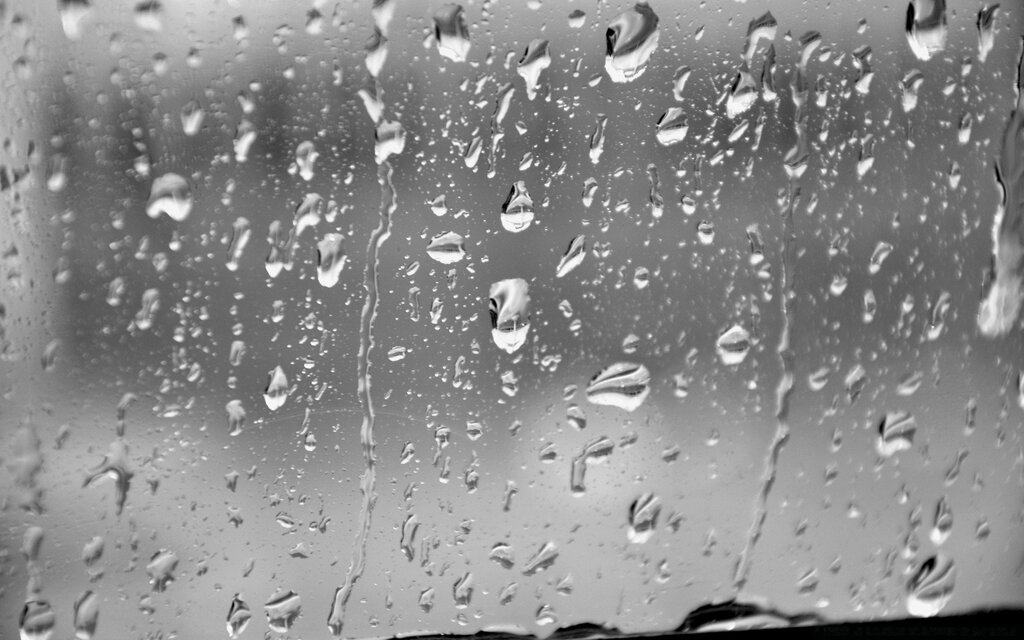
(742, 93)
(462, 591)
(542, 559)
(86, 615)
(426, 599)
(277, 389)
(447, 248)
(238, 616)
(878, 256)
(37, 620)
(503, 554)
(509, 309)
(931, 587)
(942, 525)
(170, 194)
(389, 140)
(161, 569)
(623, 384)
(74, 17)
(330, 259)
(305, 159)
(282, 610)
(535, 59)
(572, 257)
(909, 87)
(643, 518)
(593, 452)
(631, 39)
(733, 345)
(240, 234)
(409, 528)
(986, 30)
(192, 115)
(672, 127)
(517, 211)
(577, 19)
(236, 417)
(926, 27)
(895, 433)
(451, 33)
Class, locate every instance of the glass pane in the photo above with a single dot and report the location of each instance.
(379, 318)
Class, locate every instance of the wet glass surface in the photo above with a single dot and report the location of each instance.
(382, 318)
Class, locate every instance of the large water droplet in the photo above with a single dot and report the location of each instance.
(277, 389)
(282, 610)
(37, 620)
(643, 518)
(931, 587)
(926, 27)
(239, 615)
(451, 33)
(631, 39)
(733, 345)
(330, 259)
(161, 569)
(170, 194)
(895, 433)
(447, 248)
(572, 257)
(86, 615)
(535, 59)
(510, 317)
(517, 210)
(623, 384)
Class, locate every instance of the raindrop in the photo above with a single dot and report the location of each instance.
(447, 248)
(238, 616)
(509, 310)
(170, 194)
(330, 259)
(624, 385)
(631, 39)
(733, 345)
(517, 210)
(451, 33)
(643, 518)
(535, 59)
(282, 610)
(277, 389)
(931, 587)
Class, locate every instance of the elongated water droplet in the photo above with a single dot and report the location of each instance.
(462, 591)
(451, 33)
(509, 310)
(330, 259)
(572, 257)
(926, 27)
(535, 59)
(239, 615)
(643, 518)
(240, 234)
(277, 389)
(942, 525)
(542, 559)
(593, 452)
(86, 615)
(986, 30)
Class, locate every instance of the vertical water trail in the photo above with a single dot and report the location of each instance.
(382, 14)
(369, 314)
(795, 163)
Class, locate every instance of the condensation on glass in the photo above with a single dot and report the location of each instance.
(381, 317)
